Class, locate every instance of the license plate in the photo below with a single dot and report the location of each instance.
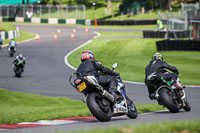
(82, 86)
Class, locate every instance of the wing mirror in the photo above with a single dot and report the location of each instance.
(114, 66)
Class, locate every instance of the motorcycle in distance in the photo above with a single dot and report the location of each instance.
(99, 101)
(173, 98)
(11, 51)
(19, 68)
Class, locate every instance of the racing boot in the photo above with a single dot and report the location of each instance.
(153, 96)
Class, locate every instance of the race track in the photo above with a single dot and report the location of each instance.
(47, 74)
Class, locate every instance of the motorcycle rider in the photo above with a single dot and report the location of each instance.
(158, 68)
(12, 43)
(91, 67)
(18, 58)
(1, 41)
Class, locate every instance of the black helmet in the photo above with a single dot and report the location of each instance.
(87, 55)
(157, 56)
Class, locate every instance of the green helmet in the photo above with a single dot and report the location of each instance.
(157, 56)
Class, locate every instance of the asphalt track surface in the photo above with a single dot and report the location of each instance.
(47, 74)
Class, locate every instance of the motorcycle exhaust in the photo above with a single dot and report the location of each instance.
(92, 80)
(108, 96)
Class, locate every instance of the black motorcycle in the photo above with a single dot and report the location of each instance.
(19, 68)
(99, 101)
(12, 51)
(173, 98)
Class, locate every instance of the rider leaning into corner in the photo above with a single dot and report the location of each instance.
(92, 67)
(12, 43)
(158, 68)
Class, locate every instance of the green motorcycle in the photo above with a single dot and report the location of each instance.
(19, 68)
(171, 97)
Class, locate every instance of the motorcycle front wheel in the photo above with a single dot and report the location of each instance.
(18, 72)
(187, 106)
(99, 107)
(132, 112)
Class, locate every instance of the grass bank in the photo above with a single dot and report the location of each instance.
(24, 35)
(133, 55)
(6, 26)
(191, 126)
(133, 27)
(147, 15)
(18, 107)
(116, 34)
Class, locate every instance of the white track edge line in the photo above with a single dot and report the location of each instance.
(64, 122)
(68, 54)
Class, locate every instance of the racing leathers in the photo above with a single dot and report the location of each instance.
(93, 67)
(12, 43)
(157, 69)
(17, 59)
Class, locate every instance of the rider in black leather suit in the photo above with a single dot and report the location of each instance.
(92, 67)
(158, 68)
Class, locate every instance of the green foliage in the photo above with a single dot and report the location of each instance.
(116, 34)
(189, 126)
(133, 55)
(18, 107)
(4, 26)
(87, 3)
(24, 35)
(147, 15)
(139, 27)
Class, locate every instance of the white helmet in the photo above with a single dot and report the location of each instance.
(20, 56)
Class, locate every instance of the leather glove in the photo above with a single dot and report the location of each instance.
(116, 74)
(177, 73)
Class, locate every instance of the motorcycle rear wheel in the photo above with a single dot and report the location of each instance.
(94, 103)
(166, 99)
(11, 54)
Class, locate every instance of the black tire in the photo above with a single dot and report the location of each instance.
(11, 54)
(18, 75)
(93, 101)
(165, 97)
(187, 106)
(132, 112)
(18, 72)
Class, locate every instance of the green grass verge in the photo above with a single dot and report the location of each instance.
(24, 35)
(136, 27)
(133, 55)
(190, 126)
(117, 34)
(18, 107)
(6, 26)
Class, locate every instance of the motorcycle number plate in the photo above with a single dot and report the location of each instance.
(82, 86)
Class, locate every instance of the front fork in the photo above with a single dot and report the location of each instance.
(183, 98)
